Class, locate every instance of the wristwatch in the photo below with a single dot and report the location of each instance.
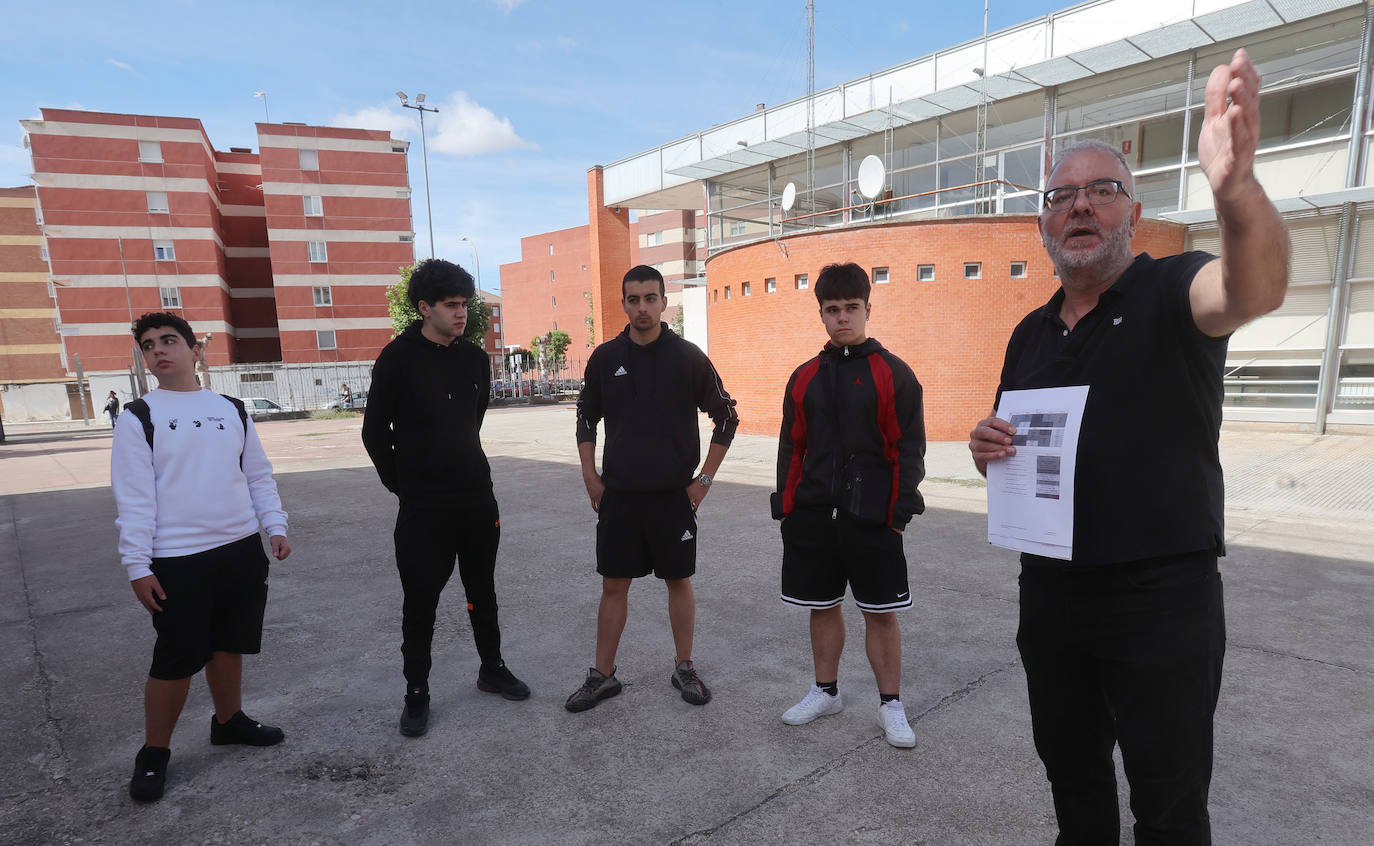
(705, 480)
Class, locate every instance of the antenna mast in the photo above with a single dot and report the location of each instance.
(811, 104)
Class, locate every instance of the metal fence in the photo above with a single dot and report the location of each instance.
(311, 386)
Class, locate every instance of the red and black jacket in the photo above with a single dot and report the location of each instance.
(849, 404)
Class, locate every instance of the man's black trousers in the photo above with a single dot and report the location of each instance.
(1128, 654)
(428, 539)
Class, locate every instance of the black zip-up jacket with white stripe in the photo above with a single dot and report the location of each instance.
(423, 422)
(855, 403)
(649, 396)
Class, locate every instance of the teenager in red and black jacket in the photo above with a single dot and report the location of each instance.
(850, 456)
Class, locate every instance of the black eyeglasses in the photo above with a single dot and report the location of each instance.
(1101, 192)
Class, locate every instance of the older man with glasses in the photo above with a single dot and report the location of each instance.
(1123, 644)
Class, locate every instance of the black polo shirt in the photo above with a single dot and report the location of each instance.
(1148, 480)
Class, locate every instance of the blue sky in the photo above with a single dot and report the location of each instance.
(531, 92)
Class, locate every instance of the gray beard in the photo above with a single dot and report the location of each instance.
(1115, 246)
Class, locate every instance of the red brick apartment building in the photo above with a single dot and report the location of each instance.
(553, 286)
(283, 254)
(30, 349)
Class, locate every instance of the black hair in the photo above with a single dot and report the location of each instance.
(643, 273)
(157, 319)
(437, 279)
(845, 281)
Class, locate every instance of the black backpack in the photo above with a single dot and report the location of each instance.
(139, 408)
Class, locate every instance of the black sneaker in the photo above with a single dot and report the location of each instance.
(415, 715)
(596, 688)
(243, 729)
(150, 773)
(501, 680)
(693, 689)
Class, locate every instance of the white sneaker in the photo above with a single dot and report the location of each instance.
(817, 703)
(892, 717)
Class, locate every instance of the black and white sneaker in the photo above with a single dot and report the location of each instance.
(150, 773)
(244, 730)
(596, 688)
(415, 715)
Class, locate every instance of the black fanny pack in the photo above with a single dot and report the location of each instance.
(866, 489)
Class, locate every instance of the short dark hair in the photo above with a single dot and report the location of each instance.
(845, 281)
(437, 279)
(158, 319)
(643, 273)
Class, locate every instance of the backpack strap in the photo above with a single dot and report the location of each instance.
(140, 409)
(243, 418)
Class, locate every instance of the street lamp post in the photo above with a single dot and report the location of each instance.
(420, 107)
(476, 259)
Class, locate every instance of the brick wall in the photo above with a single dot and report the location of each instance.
(952, 331)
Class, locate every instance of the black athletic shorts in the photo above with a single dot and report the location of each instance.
(822, 553)
(640, 533)
(215, 603)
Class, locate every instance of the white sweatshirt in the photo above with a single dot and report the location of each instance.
(188, 494)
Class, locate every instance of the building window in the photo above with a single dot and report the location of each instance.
(38, 214)
(1018, 270)
(150, 151)
(43, 251)
(551, 276)
(802, 281)
(496, 327)
(406, 239)
(736, 228)
(323, 295)
(495, 311)
(770, 286)
(973, 270)
(555, 325)
(325, 340)
(310, 160)
(715, 296)
(925, 273)
(880, 276)
(157, 202)
(171, 297)
(551, 249)
(727, 292)
(314, 206)
(553, 302)
(744, 289)
(164, 251)
(317, 251)
(398, 148)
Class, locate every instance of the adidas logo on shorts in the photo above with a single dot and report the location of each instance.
(687, 535)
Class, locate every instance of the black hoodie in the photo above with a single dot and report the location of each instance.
(851, 408)
(649, 396)
(423, 422)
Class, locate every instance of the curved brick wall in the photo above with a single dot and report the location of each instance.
(953, 332)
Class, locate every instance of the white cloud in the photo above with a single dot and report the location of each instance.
(566, 43)
(509, 6)
(389, 118)
(124, 66)
(465, 128)
(461, 128)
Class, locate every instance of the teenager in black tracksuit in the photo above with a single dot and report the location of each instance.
(648, 384)
(850, 455)
(422, 429)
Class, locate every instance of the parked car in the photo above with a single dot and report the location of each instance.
(262, 405)
(357, 403)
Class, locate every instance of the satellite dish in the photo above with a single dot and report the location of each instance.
(871, 177)
(789, 196)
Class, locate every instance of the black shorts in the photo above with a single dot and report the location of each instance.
(821, 554)
(215, 603)
(640, 533)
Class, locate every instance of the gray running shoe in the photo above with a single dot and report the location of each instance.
(596, 688)
(693, 689)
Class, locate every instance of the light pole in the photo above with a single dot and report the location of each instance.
(477, 260)
(420, 107)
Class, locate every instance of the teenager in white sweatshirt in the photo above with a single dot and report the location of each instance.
(192, 487)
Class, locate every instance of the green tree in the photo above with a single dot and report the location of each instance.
(403, 313)
(550, 349)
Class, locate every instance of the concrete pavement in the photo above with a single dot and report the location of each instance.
(1295, 739)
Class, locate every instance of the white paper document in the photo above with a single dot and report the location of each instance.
(1030, 494)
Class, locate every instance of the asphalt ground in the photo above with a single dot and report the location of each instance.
(1295, 727)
